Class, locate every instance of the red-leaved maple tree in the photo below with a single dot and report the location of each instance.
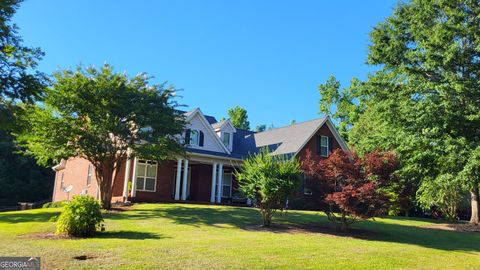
(352, 187)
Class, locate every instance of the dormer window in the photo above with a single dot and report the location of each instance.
(226, 139)
(194, 137)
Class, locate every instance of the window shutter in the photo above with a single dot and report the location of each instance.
(319, 145)
(187, 136)
(201, 139)
(330, 145)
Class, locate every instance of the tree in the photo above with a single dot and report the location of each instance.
(344, 106)
(239, 117)
(353, 187)
(429, 54)
(269, 180)
(260, 128)
(423, 101)
(104, 117)
(21, 178)
(442, 194)
(19, 79)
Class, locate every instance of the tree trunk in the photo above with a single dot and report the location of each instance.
(474, 194)
(267, 217)
(104, 175)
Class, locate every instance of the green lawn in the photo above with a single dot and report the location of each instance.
(198, 236)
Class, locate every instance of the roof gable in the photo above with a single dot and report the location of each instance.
(224, 125)
(207, 127)
(288, 139)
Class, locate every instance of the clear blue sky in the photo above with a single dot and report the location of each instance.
(266, 56)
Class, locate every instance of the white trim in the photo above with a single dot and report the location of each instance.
(328, 146)
(230, 139)
(197, 133)
(220, 183)
(145, 177)
(177, 180)
(334, 131)
(60, 166)
(193, 154)
(214, 182)
(134, 180)
(337, 136)
(231, 184)
(89, 174)
(208, 127)
(185, 179)
(228, 121)
(125, 180)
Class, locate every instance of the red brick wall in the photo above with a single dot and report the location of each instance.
(299, 200)
(312, 143)
(74, 174)
(164, 186)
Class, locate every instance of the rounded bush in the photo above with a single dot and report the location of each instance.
(80, 217)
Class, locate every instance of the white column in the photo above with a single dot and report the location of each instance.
(127, 175)
(134, 176)
(220, 182)
(214, 182)
(185, 179)
(177, 182)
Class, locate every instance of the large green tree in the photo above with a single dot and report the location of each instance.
(21, 179)
(19, 79)
(239, 117)
(104, 117)
(424, 100)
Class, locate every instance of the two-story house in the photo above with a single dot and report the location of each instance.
(214, 151)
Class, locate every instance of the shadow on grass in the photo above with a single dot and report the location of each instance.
(294, 222)
(129, 235)
(20, 216)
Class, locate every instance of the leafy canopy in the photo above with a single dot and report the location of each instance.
(423, 101)
(97, 113)
(18, 77)
(239, 117)
(353, 187)
(269, 180)
(104, 117)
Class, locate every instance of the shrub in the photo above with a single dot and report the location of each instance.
(353, 187)
(54, 204)
(80, 217)
(269, 180)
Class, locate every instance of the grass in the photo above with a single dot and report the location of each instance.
(153, 236)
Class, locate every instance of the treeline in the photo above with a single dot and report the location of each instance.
(21, 179)
(423, 102)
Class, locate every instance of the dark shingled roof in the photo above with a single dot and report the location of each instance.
(280, 141)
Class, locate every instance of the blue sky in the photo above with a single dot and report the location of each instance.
(266, 56)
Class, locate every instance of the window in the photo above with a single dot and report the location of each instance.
(305, 186)
(226, 139)
(323, 147)
(227, 185)
(89, 174)
(146, 175)
(194, 137)
(62, 181)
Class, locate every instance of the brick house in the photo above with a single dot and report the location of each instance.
(214, 151)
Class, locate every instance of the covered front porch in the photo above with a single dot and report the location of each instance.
(197, 178)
